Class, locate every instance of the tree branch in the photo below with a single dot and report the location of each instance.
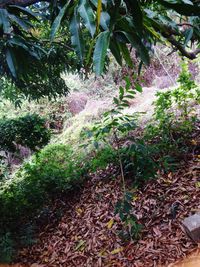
(169, 33)
(180, 47)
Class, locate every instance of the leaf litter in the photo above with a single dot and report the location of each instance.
(87, 234)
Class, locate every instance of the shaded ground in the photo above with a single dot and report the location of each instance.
(87, 234)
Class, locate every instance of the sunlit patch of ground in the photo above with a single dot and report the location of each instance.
(192, 260)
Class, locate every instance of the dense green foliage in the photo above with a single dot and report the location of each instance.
(29, 131)
(174, 116)
(53, 171)
(57, 169)
(40, 42)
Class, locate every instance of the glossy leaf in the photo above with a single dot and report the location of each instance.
(4, 20)
(57, 21)
(23, 24)
(115, 49)
(26, 11)
(76, 36)
(188, 35)
(126, 54)
(136, 42)
(87, 15)
(105, 20)
(100, 51)
(10, 58)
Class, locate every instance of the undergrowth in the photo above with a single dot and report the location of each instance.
(164, 142)
(57, 169)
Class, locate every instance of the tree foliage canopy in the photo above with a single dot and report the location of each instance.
(41, 39)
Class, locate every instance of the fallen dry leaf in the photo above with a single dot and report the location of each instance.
(90, 238)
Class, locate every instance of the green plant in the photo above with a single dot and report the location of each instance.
(124, 209)
(115, 123)
(50, 173)
(174, 116)
(29, 131)
(135, 160)
(179, 98)
(6, 248)
(139, 162)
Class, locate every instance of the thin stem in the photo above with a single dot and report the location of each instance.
(120, 160)
(170, 77)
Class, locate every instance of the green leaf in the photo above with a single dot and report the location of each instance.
(26, 11)
(182, 8)
(25, 25)
(115, 50)
(10, 59)
(87, 15)
(105, 20)
(76, 37)
(128, 83)
(100, 51)
(130, 96)
(126, 54)
(136, 42)
(4, 20)
(18, 42)
(121, 92)
(136, 12)
(57, 21)
(138, 88)
(188, 35)
(140, 68)
(115, 100)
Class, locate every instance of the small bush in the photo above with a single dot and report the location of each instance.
(29, 131)
(174, 116)
(139, 163)
(50, 172)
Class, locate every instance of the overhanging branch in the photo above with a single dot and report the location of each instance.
(189, 54)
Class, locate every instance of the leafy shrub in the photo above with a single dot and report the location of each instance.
(50, 172)
(29, 131)
(135, 160)
(174, 116)
(139, 163)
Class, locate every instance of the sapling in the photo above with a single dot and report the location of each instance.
(114, 124)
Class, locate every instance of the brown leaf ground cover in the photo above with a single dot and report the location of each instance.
(86, 236)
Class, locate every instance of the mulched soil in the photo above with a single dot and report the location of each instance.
(86, 236)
